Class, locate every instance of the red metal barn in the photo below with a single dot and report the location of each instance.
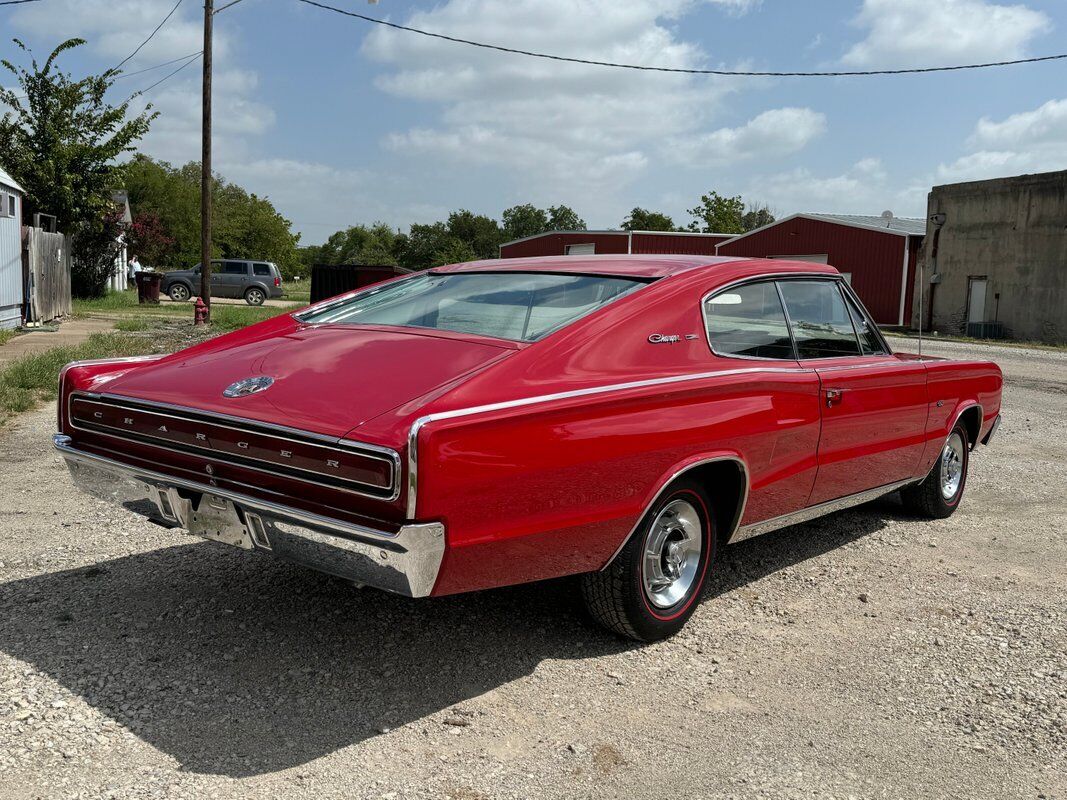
(877, 255)
(563, 243)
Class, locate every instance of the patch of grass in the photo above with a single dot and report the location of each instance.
(133, 324)
(298, 295)
(231, 318)
(7, 334)
(33, 378)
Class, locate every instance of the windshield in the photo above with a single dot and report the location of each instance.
(521, 306)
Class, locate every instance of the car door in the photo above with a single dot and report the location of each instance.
(232, 278)
(873, 405)
(779, 431)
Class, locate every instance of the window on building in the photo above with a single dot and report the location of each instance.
(580, 249)
(749, 322)
(12, 206)
(7, 204)
(821, 324)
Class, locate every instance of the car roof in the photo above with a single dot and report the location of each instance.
(638, 266)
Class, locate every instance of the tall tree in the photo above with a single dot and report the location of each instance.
(756, 216)
(642, 219)
(60, 141)
(524, 220)
(564, 218)
(482, 234)
(718, 214)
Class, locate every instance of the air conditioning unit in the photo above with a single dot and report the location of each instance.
(985, 330)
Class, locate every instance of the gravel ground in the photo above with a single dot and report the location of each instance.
(863, 655)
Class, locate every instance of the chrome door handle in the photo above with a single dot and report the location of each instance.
(833, 396)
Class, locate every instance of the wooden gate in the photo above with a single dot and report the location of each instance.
(48, 261)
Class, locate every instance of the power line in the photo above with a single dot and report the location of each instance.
(146, 41)
(726, 72)
(157, 66)
(17, 2)
(169, 75)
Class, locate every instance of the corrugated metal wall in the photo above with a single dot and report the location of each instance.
(875, 259)
(677, 244)
(11, 266)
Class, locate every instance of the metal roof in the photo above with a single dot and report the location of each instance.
(7, 180)
(909, 225)
(615, 233)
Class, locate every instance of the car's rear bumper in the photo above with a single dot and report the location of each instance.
(406, 561)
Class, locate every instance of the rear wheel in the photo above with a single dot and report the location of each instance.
(179, 292)
(651, 587)
(255, 296)
(938, 496)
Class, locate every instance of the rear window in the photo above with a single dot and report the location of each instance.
(514, 305)
(261, 269)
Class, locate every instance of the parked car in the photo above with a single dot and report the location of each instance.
(496, 422)
(255, 281)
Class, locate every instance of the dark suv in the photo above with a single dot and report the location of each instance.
(255, 281)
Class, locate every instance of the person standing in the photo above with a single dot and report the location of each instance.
(133, 266)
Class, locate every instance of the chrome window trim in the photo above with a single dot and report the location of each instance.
(773, 277)
(387, 493)
(840, 281)
(871, 324)
(421, 422)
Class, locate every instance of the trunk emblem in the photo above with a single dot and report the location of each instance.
(248, 386)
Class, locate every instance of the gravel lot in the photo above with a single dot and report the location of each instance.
(863, 655)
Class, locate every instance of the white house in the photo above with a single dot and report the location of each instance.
(11, 282)
(117, 281)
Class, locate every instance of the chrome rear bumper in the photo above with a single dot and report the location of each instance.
(405, 562)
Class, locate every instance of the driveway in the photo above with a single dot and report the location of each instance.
(864, 655)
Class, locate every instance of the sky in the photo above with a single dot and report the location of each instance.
(339, 121)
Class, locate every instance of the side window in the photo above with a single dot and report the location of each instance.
(821, 324)
(235, 267)
(748, 321)
(261, 269)
(870, 344)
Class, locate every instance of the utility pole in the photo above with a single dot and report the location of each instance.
(205, 167)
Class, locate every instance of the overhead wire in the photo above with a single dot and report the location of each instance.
(152, 34)
(681, 70)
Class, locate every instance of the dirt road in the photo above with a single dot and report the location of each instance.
(866, 655)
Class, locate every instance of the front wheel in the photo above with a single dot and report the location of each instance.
(650, 589)
(255, 297)
(938, 496)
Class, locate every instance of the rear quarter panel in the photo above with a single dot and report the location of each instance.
(953, 387)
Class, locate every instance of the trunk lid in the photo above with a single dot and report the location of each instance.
(327, 379)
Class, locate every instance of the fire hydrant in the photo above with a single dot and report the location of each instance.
(200, 312)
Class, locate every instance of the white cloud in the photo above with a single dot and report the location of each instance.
(864, 188)
(1030, 141)
(772, 134)
(561, 129)
(916, 33)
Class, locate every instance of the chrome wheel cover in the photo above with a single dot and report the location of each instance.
(179, 294)
(952, 458)
(255, 297)
(672, 549)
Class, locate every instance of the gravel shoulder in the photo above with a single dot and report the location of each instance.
(864, 655)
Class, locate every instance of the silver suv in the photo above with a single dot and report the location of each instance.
(255, 281)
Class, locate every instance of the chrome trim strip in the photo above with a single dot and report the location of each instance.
(406, 562)
(666, 484)
(418, 424)
(812, 512)
(375, 452)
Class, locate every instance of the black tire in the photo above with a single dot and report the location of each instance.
(179, 292)
(931, 498)
(616, 597)
(255, 296)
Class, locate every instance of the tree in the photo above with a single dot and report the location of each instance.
(428, 246)
(718, 214)
(756, 217)
(244, 225)
(524, 220)
(641, 219)
(60, 141)
(148, 239)
(482, 234)
(564, 218)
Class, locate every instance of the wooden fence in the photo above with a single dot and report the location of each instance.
(48, 275)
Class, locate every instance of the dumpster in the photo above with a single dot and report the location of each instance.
(148, 287)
